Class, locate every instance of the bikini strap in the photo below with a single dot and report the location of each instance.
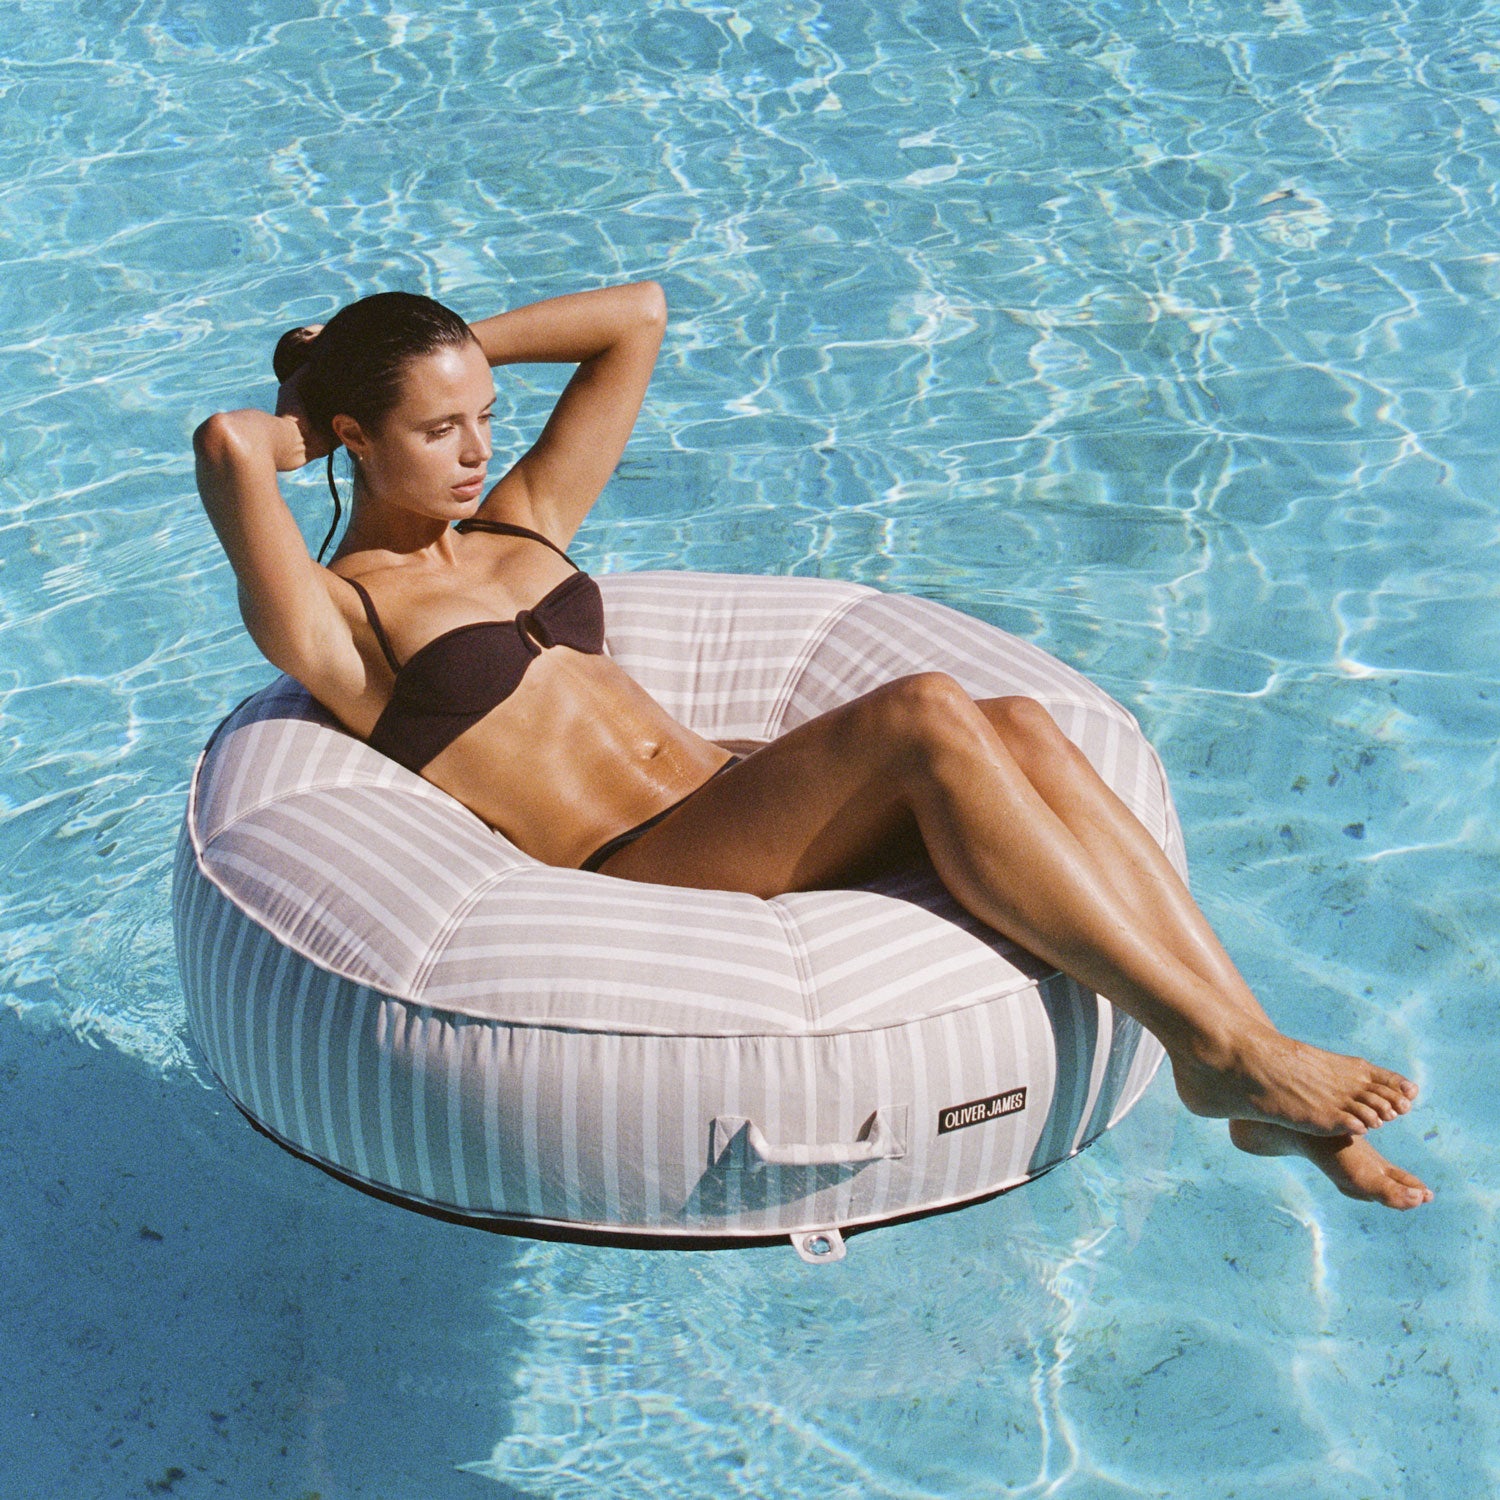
(375, 625)
(507, 528)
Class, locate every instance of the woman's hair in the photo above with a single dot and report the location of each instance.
(356, 363)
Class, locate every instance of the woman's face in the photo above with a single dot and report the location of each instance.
(432, 450)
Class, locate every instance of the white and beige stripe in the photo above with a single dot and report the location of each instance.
(393, 989)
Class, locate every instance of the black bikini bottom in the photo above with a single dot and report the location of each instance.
(630, 835)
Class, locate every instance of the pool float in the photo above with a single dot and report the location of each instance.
(392, 990)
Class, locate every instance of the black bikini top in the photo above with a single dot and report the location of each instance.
(458, 677)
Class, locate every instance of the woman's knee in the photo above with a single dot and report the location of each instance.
(921, 714)
(1023, 725)
(1022, 716)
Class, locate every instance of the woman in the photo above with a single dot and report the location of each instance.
(471, 653)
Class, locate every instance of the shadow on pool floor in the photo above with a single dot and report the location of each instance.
(189, 1311)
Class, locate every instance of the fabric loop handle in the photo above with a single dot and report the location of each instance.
(740, 1144)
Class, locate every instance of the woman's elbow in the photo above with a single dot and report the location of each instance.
(211, 438)
(652, 301)
(219, 441)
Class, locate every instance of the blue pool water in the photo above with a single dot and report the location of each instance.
(1163, 334)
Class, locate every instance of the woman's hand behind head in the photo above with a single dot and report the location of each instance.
(290, 364)
(292, 350)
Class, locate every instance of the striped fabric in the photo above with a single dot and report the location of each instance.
(393, 989)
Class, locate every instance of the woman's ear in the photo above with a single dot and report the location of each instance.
(350, 434)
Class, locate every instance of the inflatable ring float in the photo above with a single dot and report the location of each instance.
(390, 989)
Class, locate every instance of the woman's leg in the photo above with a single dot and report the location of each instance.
(1129, 857)
(1145, 879)
(821, 802)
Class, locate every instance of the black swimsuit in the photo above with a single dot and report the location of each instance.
(614, 845)
(458, 677)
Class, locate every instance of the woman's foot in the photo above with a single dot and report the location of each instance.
(1351, 1163)
(1261, 1075)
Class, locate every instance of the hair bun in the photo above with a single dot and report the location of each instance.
(292, 351)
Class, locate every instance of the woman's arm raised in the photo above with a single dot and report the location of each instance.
(613, 335)
(287, 600)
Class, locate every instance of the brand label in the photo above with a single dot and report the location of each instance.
(961, 1116)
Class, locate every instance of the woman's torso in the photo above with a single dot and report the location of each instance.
(573, 753)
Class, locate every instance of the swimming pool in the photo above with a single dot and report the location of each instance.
(1162, 334)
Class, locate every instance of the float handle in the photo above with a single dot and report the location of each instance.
(738, 1143)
